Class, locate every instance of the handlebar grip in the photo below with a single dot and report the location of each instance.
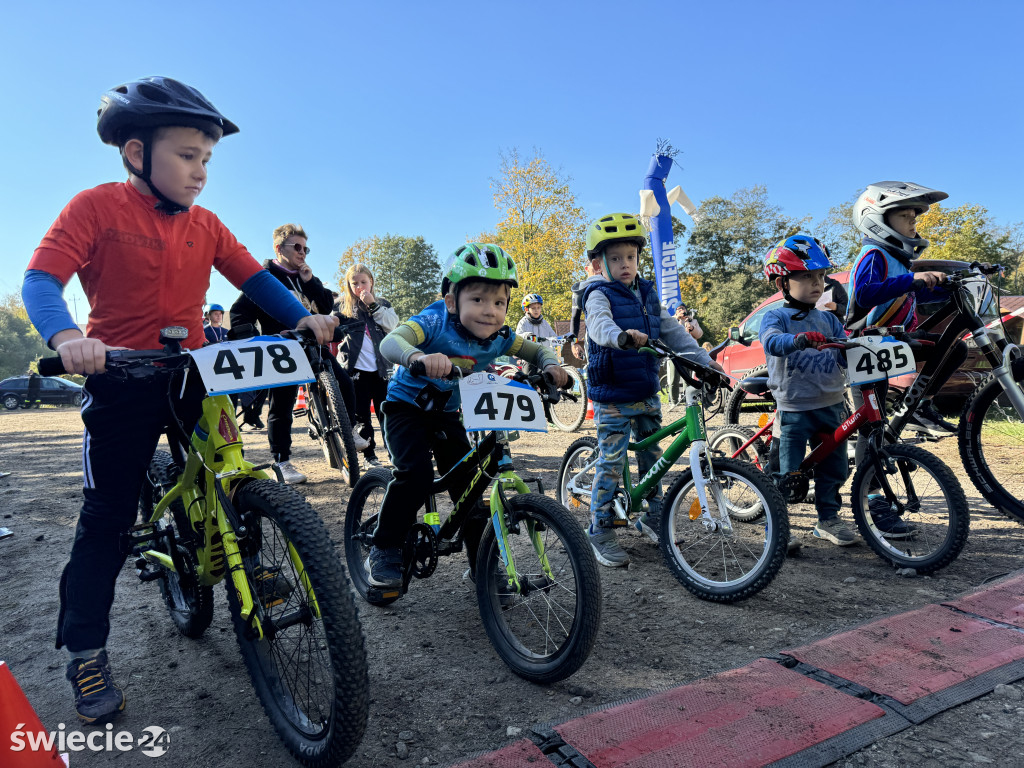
(625, 341)
(417, 368)
(918, 284)
(51, 366)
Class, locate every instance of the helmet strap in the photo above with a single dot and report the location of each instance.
(164, 203)
(802, 306)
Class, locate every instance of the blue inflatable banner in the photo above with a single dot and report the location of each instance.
(663, 247)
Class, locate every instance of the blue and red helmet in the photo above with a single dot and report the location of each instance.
(797, 253)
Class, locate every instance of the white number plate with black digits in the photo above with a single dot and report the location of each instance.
(263, 362)
(491, 402)
(886, 358)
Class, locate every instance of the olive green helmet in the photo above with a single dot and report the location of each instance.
(482, 261)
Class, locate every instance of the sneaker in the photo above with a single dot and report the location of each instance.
(369, 462)
(384, 567)
(607, 549)
(290, 474)
(926, 419)
(272, 586)
(97, 697)
(361, 442)
(646, 525)
(888, 523)
(793, 545)
(836, 531)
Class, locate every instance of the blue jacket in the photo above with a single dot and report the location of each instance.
(623, 376)
(880, 288)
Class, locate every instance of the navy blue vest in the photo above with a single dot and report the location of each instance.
(625, 376)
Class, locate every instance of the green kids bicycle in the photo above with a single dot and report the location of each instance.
(208, 515)
(722, 526)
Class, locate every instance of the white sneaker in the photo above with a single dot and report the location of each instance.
(361, 442)
(290, 474)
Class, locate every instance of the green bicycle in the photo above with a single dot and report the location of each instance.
(722, 526)
(208, 515)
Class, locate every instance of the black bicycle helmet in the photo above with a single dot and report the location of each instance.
(153, 102)
(150, 103)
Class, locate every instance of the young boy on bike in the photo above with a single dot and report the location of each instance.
(624, 309)
(808, 383)
(421, 414)
(886, 292)
(144, 236)
(533, 323)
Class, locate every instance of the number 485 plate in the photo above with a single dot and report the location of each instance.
(494, 402)
(264, 362)
(886, 358)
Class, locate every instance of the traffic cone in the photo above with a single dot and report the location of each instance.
(300, 402)
(20, 727)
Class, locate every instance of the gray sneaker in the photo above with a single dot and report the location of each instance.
(607, 549)
(836, 531)
(290, 474)
(646, 525)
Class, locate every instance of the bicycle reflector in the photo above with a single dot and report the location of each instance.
(763, 419)
(695, 509)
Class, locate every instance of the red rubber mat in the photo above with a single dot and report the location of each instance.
(915, 654)
(744, 717)
(1002, 602)
(519, 754)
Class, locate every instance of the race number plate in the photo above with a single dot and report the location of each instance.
(491, 402)
(263, 362)
(886, 358)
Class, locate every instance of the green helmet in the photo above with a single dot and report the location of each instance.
(482, 261)
(613, 228)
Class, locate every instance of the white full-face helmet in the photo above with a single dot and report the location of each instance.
(886, 196)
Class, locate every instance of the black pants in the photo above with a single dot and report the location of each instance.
(123, 422)
(412, 434)
(282, 403)
(370, 387)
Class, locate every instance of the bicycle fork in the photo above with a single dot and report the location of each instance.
(500, 520)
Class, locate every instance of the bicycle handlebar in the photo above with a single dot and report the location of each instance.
(705, 376)
(542, 381)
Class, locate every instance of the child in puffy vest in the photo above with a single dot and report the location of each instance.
(623, 385)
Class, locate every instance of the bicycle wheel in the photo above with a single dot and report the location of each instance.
(189, 604)
(726, 442)
(992, 443)
(309, 669)
(360, 523)
(577, 470)
(565, 414)
(719, 559)
(744, 408)
(546, 630)
(329, 419)
(930, 501)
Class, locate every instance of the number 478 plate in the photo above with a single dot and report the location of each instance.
(494, 402)
(263, 362)
(886, 358)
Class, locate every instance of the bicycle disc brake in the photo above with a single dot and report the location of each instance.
(423, 542)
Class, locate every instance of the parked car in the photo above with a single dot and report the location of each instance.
(744, 354)
(52, 391)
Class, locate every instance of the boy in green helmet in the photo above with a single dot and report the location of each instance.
(466, 328)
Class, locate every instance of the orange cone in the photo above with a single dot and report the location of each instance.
(21, 730)
(300, 402)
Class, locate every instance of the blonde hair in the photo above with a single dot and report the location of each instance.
(351, 300)
(285, 231)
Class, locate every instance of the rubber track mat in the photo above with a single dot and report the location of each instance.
(519, 754)
(1000, 602)
(750, 716)
(917, 654)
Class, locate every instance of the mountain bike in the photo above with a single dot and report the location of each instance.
(570, 411)
(537, 584)
(894, 481)
(208, 515)
(710, 552)
(329, 424)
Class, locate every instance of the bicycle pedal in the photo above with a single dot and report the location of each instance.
(144, 570)
(376, 594)
(619, 523)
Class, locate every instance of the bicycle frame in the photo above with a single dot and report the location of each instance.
(213, 464)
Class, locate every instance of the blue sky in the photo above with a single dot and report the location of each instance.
(361, 119)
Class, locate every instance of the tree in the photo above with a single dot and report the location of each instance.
(837, 232)
(20, 344)
(964, 233)
(541, 227)
(406, 270)
(725, 252)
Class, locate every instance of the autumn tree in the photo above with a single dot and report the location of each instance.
(406, 270)
(20, 344)
(541, 227)
(964, 233)
(837, 231)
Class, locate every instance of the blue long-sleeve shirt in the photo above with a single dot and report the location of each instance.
(802, 379)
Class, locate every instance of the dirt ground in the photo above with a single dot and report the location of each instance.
(439, 692)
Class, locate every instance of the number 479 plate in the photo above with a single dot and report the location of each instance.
(494, 402)
(263, 362)
(886, 358)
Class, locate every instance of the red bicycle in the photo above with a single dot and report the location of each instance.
(895, 480)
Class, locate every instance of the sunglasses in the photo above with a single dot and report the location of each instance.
(304, 249)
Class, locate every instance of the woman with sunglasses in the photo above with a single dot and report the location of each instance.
(291, 269)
